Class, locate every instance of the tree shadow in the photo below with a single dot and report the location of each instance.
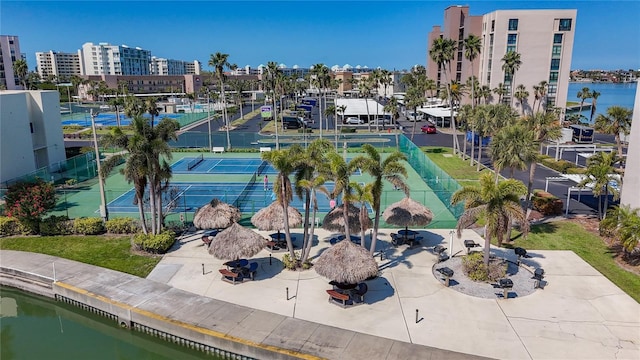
(546, 228)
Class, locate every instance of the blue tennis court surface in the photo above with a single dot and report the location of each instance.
(225, 166)
(187, 197)
(109, 119)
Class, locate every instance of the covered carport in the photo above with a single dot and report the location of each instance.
(365, 109)
(437, 115)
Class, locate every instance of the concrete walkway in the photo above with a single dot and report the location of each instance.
(580, 314)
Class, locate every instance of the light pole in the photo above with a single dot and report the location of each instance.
(451, 243)
(209, 116)
(103, 201)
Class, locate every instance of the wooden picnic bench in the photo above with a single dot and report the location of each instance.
(340, 298)
(230, 276)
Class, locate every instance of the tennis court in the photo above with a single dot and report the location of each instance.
(202, 165)
(109, 119)
(187, 197)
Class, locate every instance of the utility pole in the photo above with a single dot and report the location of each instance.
(103, 201)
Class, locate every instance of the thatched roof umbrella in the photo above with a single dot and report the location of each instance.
(407, 212)
(346, 263)
(271, 218)
(216, 215)
(334, 220)
(236, 242)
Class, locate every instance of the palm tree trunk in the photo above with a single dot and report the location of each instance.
(532, 172)
(374, 236)
(307, 201)
(479, 151)
(473, 140)
(619, 143)
(606, 201)
(160, 223)
(152, 204)
(415, 122)
(464, 145)
(143, 222)
(308, 242)
(275, 119)
(487, 246)
(224, 113)
(345, 214)
(285, 211)
(362, 221)
(320, 110)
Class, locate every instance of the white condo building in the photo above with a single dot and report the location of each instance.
(30, 132)
(161, 66)
(57, 63)
(9, 52)
(543, 38)
(106, 59)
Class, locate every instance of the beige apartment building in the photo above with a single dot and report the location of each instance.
(9, 53)
(58, 64)
(543, 38)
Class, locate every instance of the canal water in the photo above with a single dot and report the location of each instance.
(34, 327)
(610, 95)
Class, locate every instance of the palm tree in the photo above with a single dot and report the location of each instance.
(545, 126)
(339, 170)
(272, 78)
(521, 94)
(339, 110)
(600, 173)
(501, 91)
(510, 64)
(594, 95)
(322, 77)
(219, 62)
(390, 169)
(413, 98)
(151, 107)
(21, 69)
(583, 94)
(284, 162)
(485, 94)
(311, 169)
(472, 47)
(496, 203)
(362, 194)
(116, 102)
(239, 86)
(513, 147)
(442, 53)
(539, 93)
(615, 122)
(464, 115)
(624, 223)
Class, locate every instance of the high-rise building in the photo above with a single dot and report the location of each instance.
(543, 38)
(161, 66)
(9, 53)
(106, 59)
(57, 63)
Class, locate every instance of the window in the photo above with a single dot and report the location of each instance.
(493, 25)
(458, 77)
(31, 127)
(461, 34)
(491, 40)
(511, 48)
(490, 62)
(555, 64)
(557, 51)
(459, 67)
(552, 89)
(553, 77)
(557, 38)
(513, 24)
(511, 39)
(507, 79)
(565, 25)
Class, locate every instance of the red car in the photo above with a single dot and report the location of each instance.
(429, 129)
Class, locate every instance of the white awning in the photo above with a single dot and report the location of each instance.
(357, 107)
(437, 112)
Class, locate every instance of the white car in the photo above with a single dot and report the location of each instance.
(381, 121)
(354, 120)
(411, 116)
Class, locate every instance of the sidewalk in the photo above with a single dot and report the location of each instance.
(580, 314)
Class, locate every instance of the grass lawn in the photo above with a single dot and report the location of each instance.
(454, 166)
(565, 235)
(111, 252)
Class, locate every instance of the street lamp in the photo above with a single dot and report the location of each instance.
(451, 244)
(209, 116)
(104, 213)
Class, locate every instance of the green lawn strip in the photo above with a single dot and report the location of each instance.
(111, 252)
(565, 235)
(245, 118)
(457, 168)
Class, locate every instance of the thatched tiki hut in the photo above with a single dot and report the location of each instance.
(407, 212)
(216, 215)
(334, 220)
(271, 218)
(346, 263)
(236, 242)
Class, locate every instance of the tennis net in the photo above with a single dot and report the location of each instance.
(195, 162)
(262, 166)
(244, 194)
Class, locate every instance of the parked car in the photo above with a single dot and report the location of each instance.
(381, 121)
(428, 128)
(292, 122)
(412, 116)
(354, 120)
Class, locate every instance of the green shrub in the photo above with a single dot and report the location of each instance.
(474, 267)
(576, 170)
(289, 263)
(9, 226)
(347, 130)
(124, 225)
(158, 244)
(546, 203)
(56, 225)
(561, 165)
(88, 226)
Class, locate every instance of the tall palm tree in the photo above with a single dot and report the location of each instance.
(116, 102)
(583, 94)
(616, 121)
(340, 170)
(539, 93)
(594, 95)
(284, 162)
(362, 194)
(485, 94)
(219, 62)
(21, 69)
(339, 110)
(501, 91)
(601, 172)
(414, 98)
(510, 64)
(311, 169)
(151, 107)
(464, 115)
(513, 147)
(273, 72)
(322, 77)
(472, 47)
(521, 95)
(390, 169)
(545, 126)
(496, 203)
(442, 53)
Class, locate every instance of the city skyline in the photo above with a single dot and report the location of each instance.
(391, 35)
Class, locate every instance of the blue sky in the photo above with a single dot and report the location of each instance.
(389, 34)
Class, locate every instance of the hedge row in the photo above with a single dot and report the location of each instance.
(62, 225)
